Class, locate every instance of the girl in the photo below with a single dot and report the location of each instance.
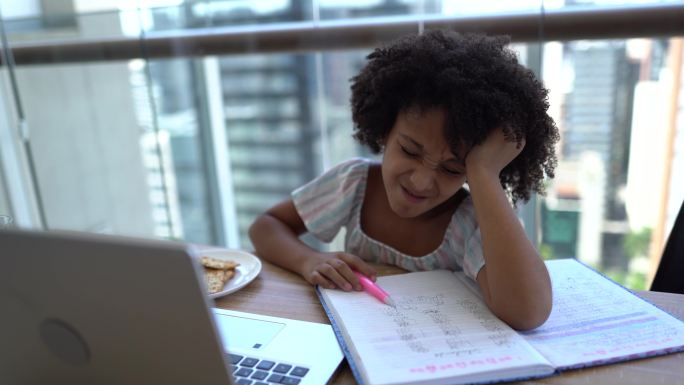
(444, 110)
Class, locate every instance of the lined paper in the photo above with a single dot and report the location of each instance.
(439, 328)
(596, 321)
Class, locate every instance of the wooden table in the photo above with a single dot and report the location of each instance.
(277, 292)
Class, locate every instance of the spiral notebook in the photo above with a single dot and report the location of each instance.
(441, 331)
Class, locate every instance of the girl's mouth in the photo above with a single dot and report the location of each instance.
(411, 197)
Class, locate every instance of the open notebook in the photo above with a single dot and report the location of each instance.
(441, 331)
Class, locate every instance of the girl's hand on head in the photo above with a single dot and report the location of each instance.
(331, 270)
(493, 154)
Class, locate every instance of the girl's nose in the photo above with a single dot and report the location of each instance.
(422, 179)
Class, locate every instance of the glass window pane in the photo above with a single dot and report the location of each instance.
(196, 147)
(611, 101)
(87, 147)
(218, 13)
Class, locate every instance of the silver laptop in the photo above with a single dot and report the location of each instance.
(90, 309)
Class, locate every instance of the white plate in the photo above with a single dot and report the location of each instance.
(249, 268)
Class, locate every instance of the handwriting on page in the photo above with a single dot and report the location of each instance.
(438, 325)
(440, 331)
(596, 319)
(461, 351)
(420, 321)
(428, 333)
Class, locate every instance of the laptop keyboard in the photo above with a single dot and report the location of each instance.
(253, 371)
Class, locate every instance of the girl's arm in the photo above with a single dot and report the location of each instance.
(514, 281)
(275, 236)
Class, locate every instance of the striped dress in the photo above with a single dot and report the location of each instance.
(334, 199)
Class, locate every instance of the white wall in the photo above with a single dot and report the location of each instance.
(12, 9)
(85, 141)
(676, 196)
(4, 199)
(592, 187)
(646, 157)
(5, 126)
(18, 197)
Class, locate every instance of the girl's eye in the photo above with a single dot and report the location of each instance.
(409, 152)
(450, 171)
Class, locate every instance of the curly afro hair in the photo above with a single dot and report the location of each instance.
(481, 86)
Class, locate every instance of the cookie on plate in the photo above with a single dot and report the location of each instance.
(216, 279)
(215, 263)
(217, 272)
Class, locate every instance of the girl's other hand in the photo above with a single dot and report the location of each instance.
(331, 270)
(493, 154)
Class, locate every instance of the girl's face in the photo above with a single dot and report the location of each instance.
(419, 171)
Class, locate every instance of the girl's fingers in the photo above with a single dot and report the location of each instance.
(359, 265)
(332, 271)
(320, 280)
(345, 270)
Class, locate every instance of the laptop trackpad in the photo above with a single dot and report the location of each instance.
(246, 333)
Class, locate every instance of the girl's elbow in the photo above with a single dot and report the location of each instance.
(256, 228)
(524, 314)
(529, 322)
(531, 316)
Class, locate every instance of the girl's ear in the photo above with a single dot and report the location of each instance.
(383, 143)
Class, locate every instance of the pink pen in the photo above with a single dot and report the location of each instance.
(371, 288)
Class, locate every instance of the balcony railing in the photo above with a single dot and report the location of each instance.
(233, 117)
(653, 20)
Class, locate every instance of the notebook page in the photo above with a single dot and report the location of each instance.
(595, 321)
(438, 329)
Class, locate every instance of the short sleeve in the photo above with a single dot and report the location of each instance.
(465, 239)
(473, 258)
(326, 203)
